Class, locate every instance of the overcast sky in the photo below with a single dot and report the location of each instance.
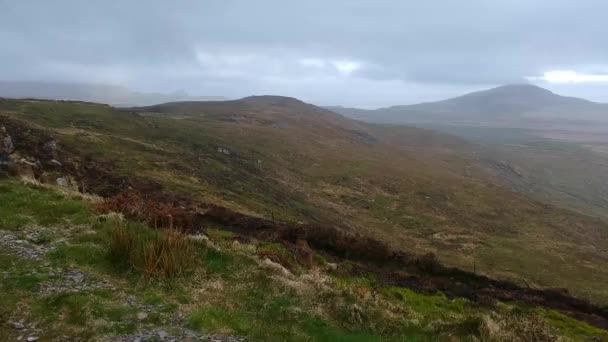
(358, 53)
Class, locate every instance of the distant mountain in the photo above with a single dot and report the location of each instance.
(519, 105)
(102, 93)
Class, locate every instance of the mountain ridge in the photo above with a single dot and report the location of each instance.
(91, 92)
(514, 104)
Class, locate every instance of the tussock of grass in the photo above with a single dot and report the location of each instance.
(156, 254)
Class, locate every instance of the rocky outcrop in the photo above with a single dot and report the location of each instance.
(6, 142)
(25, 152)
(6, 149)
(19, 166)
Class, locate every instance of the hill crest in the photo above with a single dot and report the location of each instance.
(516, 104)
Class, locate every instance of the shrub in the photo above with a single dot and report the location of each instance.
(122, 245)
(154, 213)
(156, 254)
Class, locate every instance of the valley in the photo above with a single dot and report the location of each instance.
(269, 167)
(282, 159)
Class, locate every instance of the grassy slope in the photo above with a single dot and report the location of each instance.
(227, 293)
(568, 173)
(414, 188)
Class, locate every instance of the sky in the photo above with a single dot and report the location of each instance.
(360, 53)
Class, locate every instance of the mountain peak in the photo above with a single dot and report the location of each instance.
(519, 104)
(272, 100)
(508, 99)
(520, 86)
(522, 90)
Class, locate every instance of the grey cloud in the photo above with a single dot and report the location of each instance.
(238, 47)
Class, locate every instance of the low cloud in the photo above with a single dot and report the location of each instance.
(325, 52)
(569, 76)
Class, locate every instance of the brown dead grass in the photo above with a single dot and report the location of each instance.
(162, 254)
(169, 256)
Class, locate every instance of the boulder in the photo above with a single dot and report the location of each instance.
(55, 162)
(63, 182)
(6, 142)
(22, 167)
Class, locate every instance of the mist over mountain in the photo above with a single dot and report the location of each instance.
(90, 92)
(517, 105)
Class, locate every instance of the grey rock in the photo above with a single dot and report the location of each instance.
(162, 334)
(50, 145)
(18, 325)
(131, 300)
(55, 162)
(75, 277)
(34, 237)
(332, 266)
(32, 338)
(189, 333)
(62, 181)
(7, 145)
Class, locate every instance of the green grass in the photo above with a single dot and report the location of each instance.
(82, 308)
(429, 308)
(569, 327)
(153, 298)
(21, 277)
(17, 282)
(219, 234)
(226, 264)
(24, 205)
(85, 254)
(276, 323)
(220, 319)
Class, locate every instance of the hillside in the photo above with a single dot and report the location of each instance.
(293, 167)
(550, 147)
(68, 275)
(518, 105)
